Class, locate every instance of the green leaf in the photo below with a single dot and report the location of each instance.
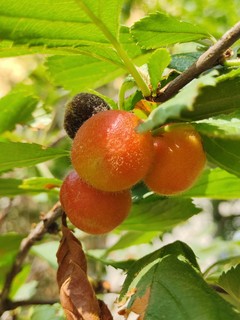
(132, 238)
(213, 101)
(184, 100)
(156, 214)
(57, 24)
(26, 291)
(224, 126)
(40, 184)
(157, 63)
(16, 154)
(11, 187)
(159, 30)
(19, 281)
(177, 248)
(47, 251)
(182, 61)
(224, 153)
(46, 312)
(215, 184)
(123, 265)
(9, 245)
(78, 73)
(168, 285)
(201, 99)
(230, 282)
(16, 108)
(97, 67)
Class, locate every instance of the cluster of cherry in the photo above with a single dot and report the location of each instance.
(109, 157)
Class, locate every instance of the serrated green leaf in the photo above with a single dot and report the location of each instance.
(224, 153)
(224, 126)
(95, 66)
(222, 265)
(184, 100)
(168, 285)
(57, 24)
(230, 282)
(198, 100)
(157, 63)
(213, 101)
(79, 73)
(18, 155)
(16, 108)
(177, 248)
(215, 184)
(156, 214)
(159, 30)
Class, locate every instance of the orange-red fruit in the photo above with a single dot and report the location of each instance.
(178, 160)
(109, 154)
(91, 210)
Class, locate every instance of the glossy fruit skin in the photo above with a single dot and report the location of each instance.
(109, 154)
(178, 161)
(91, 210)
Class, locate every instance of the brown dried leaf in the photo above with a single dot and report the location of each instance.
(77, 296)
(105, 313)
(139, 306)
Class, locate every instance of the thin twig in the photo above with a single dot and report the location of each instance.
(11, 305)
(5, 212)
(36, 234)
(206, 61)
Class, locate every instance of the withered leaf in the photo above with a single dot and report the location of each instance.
(139, 305)
(77, 296)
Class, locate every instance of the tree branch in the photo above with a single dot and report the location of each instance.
(36, 234)
(11, 305)
(207, 60)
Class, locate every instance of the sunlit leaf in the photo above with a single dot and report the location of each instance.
(47, 251)
(230, 281)
(215, 184)
(16, 154)
(132, 238)
(157, 63)
(57, 24)
(157, 214)
(159, 30)
(224, 126)
(16, 108)
(183, 101)
(45, 312)
(78, 73)
(167, 284)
